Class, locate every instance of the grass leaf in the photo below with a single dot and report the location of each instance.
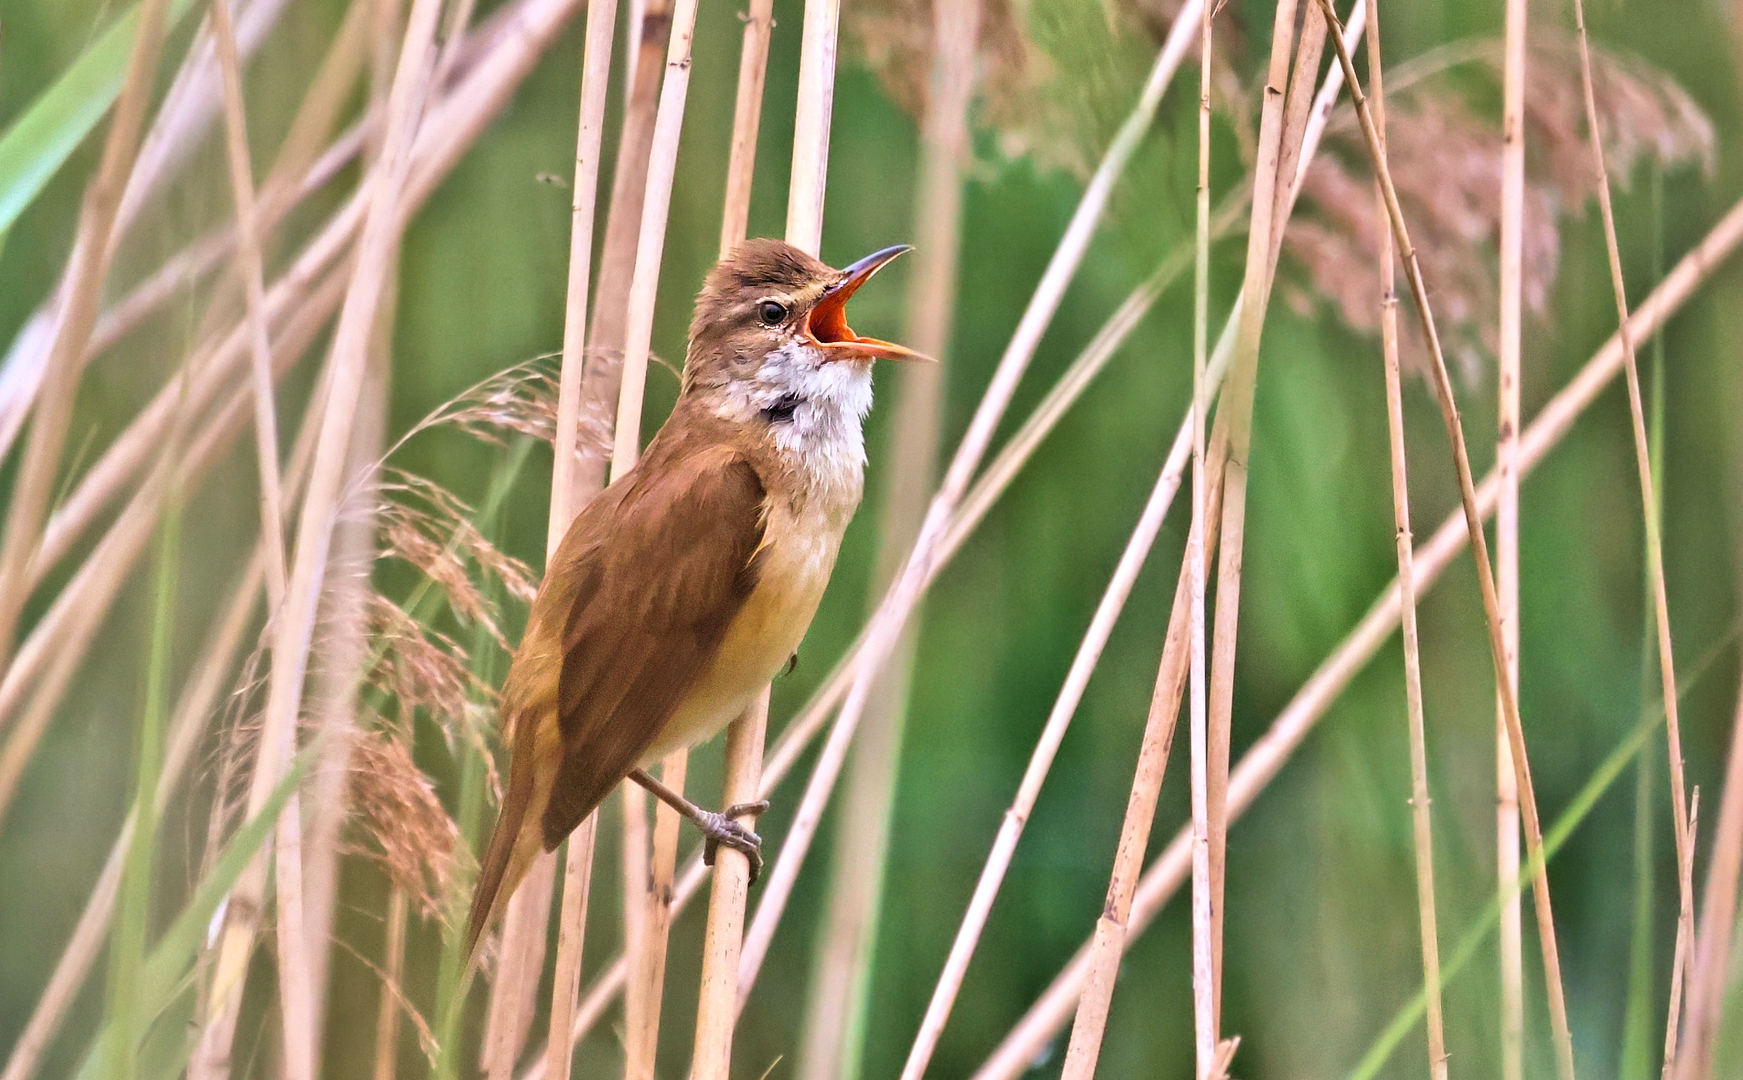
(41, 139)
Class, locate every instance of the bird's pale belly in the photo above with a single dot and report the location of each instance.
(794, 570)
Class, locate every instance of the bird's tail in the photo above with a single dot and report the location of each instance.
(514, 844)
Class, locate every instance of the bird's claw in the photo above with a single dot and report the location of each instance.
(720, 829)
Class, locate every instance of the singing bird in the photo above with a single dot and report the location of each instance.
(684, 587)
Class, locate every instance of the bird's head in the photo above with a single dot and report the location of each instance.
(770, 340)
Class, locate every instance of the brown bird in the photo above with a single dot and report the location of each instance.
(681, 590)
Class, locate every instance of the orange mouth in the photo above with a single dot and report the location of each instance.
(827, 321)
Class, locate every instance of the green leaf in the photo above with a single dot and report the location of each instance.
(42, 138)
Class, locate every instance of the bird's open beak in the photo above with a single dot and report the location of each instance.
(827, 322)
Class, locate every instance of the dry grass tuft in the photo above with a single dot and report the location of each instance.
(427, 526)
(421, 668)
(413, 836)
(1446, 157)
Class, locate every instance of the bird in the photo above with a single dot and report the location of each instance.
(684, 587)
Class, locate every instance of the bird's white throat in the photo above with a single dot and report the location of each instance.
(815, 413)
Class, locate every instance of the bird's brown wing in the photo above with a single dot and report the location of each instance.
(635, 600)
(653, 601)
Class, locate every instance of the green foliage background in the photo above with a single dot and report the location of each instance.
(1322, 944)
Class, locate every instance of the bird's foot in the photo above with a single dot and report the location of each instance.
(720, 829)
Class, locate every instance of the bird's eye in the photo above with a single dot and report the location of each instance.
(772, 312)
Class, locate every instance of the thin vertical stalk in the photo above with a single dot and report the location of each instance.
(1709, 970)
(508, 1019)
(647, 971)
(566, 498)
(1204, 1010)
(1654, 546)
(1511, 940)
(642, 998)
(387, 1010)
(1236, 410)
(1634, 1062)
(833, 1035)
(886, 624)
(91, 257)
(723, 939)
(814, 108)
(344, 653)
(1421, 819)
(747, 116)
(602, 373)
(650, 249)
(1563, 1037)
(717, 1011)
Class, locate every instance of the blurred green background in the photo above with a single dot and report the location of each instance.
(1322, 945)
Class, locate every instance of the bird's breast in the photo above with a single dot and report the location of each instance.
(793, 569)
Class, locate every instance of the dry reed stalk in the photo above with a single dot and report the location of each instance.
(248, 264)
(344, 651)
(393, 970)
(716, 1011)
(558, 1053)
(1420, 816)
(91, 257)
(815, 105)
(723, 937)
(1708, 973)
(294, 624)
(520, 961)
(1152, 755)
(1685, 926)
(1511, 938)
(1563, 1037)
(642, 998)
(650, 29)
(1276, 118)
(1267, 756)
(1110, 932)
(886, 624)
(833, 1029)
(1297, 111)
(747, 115)
(650, 248)
(643, 890)
(566, 498)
